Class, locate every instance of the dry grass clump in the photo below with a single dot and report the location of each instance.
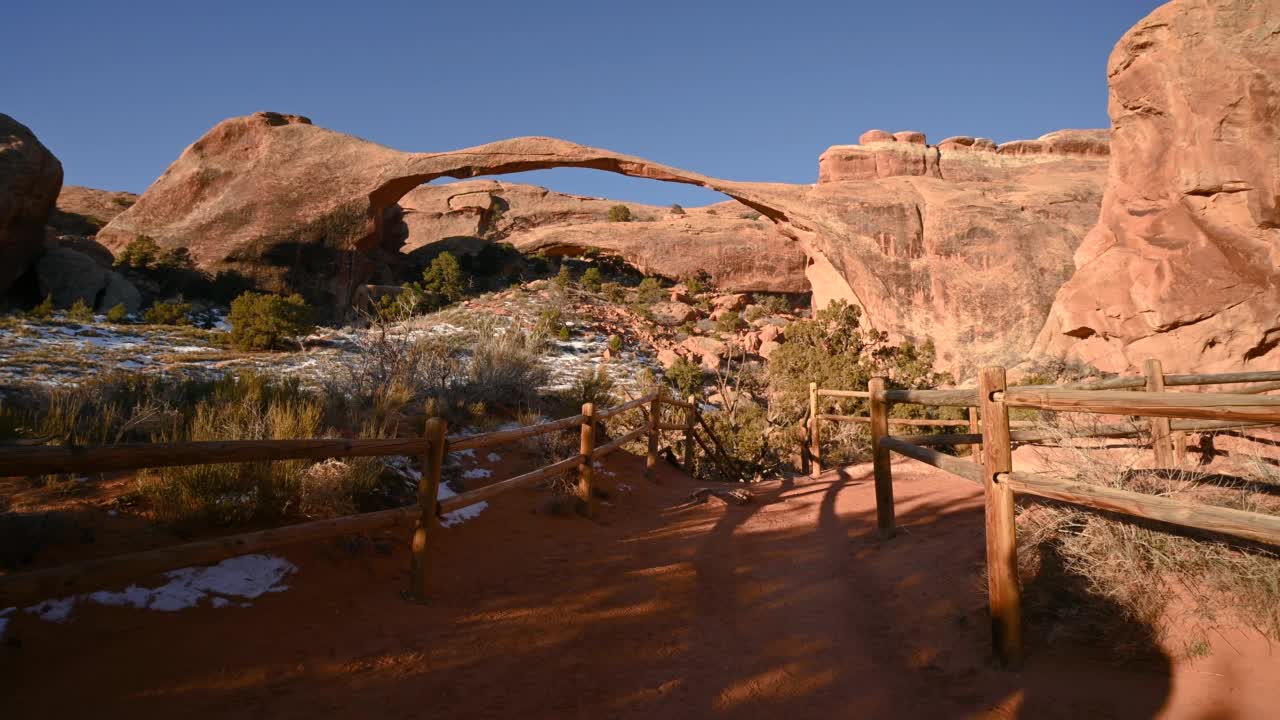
(1141, 584)
(331, 488)
(247, 408)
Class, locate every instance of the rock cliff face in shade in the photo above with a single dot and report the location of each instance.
(30, 177)
(740, 250)
(300, 208)
(1184, 263)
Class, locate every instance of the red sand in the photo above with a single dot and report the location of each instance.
(789, 607)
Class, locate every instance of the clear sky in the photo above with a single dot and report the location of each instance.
(747, 90)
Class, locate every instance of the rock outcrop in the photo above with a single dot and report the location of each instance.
(68, 276)
(734, 246)
(964, 245)
(83, 211)
(1184, 263)
(30, 177)
(300, 208)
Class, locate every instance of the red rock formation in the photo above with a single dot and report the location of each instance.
(1184, 264)
(734, 246)
(30, 177)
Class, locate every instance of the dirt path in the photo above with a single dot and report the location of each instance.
(789, 607)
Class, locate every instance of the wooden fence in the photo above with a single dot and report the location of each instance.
(430, 448)
(994, 467)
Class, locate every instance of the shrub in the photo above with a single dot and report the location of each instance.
(619, 213)
(333, 488)
(774, 304)
(695, 285)
(80, 311)
(262, 321)
(687, 376)
(593, 385)
(44, 310)
(613, 292)
(564, 278)
(615, 344)
(836, 351)
(550, 324)
(117, 314)
(754, 313)
(444, 278)
(591, 280)
(676, 209)
(730, 322)
(711, 211)
(505, 370)
(649, 291)
(143, 253)
(169, 313)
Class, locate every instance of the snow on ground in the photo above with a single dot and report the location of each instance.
(232, 581)
(476, 474)
(461, 515)
(493, 457)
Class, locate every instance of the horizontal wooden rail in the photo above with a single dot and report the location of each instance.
(1236, 523)
(1097, 432)
(500, 437)
(1259, 388)
(952, 464)
(1223, 378)
(844, 393)
(55, 459)
(78, 577)
(936, 398)
(1207, 406)
(670, 426)
(920, 422)
(638, 402)
(677, 403)
(472, 497)
(616, 443)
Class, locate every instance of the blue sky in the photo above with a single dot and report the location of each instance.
(744, 90)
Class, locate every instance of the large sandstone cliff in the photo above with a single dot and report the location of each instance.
(1184, 264)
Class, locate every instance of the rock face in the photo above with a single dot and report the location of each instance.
(963, 244)
(1184, 263)
(30, 177)
(83, 211)
(732, 244)
(69, 276)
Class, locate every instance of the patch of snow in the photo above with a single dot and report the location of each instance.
(468, 453)
(462, 515)
(4, 620)
(476, 474)
(246, 576)
(58, 610)
(622, 487)
(493, 457)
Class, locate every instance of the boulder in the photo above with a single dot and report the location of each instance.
(732, 301)
(668, 357)
(875, 136)
(768, 348)
(910, 136)
(709, 351)
(119, 291)
(30, 178)
(1184, 262)
(69, 275)
(672, 314)
(770, 333)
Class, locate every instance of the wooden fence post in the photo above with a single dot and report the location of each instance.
(975, 451)
(690, 418)
(586, 473)
(815, 433)
(880, 454)
(1162, 442)
(428, 489)
(1002, 542)
(655, 418)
